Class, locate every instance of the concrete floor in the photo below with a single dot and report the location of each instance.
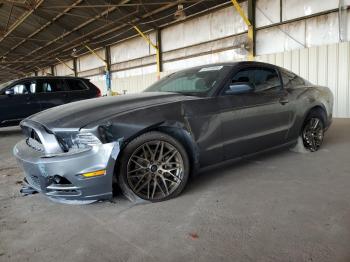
(283, 206)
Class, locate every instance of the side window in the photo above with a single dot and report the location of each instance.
(261, 79)
(24, 88)
(239, 81)
(19, 89)
(53, 85)
(244, 76)
(266, 79)
(76, 85)
(32, 87)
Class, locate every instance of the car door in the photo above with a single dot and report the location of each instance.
(255, 119)
(19, 103)
(52, 92)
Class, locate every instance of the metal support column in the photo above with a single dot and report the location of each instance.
(104, 60)
(250, 24)
(251, 18)
(160, 56)
(108, 70)
(52, 70)
(156, 47)
(75, 66)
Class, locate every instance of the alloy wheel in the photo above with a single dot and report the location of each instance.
(313, 134)
(155, 170)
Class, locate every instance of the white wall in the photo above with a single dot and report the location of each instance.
(297, 8)
(220, 36)
(131, 49)
(219, 24)
(44, 71)
(90, 61)
(63, 70)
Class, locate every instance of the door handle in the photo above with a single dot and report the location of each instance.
(284, 101)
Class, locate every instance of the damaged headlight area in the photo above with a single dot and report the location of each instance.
(77, 140)
(85, 139)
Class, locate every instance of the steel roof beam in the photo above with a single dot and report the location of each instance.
(107, 11)
(21, 19)
(110, 31)
(42, 27)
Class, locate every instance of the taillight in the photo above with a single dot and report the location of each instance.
(98, 92)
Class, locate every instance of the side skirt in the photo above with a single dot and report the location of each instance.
(248, 156)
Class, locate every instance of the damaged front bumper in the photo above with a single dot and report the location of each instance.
(61, 177)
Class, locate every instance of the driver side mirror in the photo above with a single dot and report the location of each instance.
(9, 92)
(239, 88)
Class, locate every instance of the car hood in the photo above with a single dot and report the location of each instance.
(81, 113)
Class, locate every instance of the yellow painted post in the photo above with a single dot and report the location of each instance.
(158, 63)
(107, 72)
(154, 46)
(250, 29)
(250, 43)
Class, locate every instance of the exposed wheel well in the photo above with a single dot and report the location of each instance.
(321, 110)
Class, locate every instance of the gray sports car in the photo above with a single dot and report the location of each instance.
(150, 143)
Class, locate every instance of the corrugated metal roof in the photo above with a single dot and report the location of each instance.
(33, 33)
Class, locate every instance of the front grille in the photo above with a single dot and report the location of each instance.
(39, 138)
(35, 144)
(34, 181)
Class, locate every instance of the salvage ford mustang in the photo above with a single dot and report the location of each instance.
(149, 143)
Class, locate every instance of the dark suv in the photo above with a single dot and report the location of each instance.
(22, 98)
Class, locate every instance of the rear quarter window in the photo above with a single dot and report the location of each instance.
(52, 86)
(76, 85)
(291, 80)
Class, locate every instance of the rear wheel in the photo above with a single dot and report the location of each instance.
(313, 131)
(153, 167)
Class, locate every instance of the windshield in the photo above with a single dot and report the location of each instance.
(194, 81)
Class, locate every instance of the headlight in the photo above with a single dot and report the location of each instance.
(75, 140)
(86, 139)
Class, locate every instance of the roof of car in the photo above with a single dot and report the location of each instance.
(207, 65)
(51, 77)
(239, 63)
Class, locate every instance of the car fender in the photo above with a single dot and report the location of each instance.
(168, 118)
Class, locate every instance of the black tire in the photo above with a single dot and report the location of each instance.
(129, 157)
(313, 129)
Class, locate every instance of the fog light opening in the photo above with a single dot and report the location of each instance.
(60, 180)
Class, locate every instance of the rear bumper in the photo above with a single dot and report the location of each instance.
(40, 170)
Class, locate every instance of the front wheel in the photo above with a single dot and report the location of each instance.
(313, 132)
(153, 167)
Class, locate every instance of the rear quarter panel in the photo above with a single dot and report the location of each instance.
(305, 99)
